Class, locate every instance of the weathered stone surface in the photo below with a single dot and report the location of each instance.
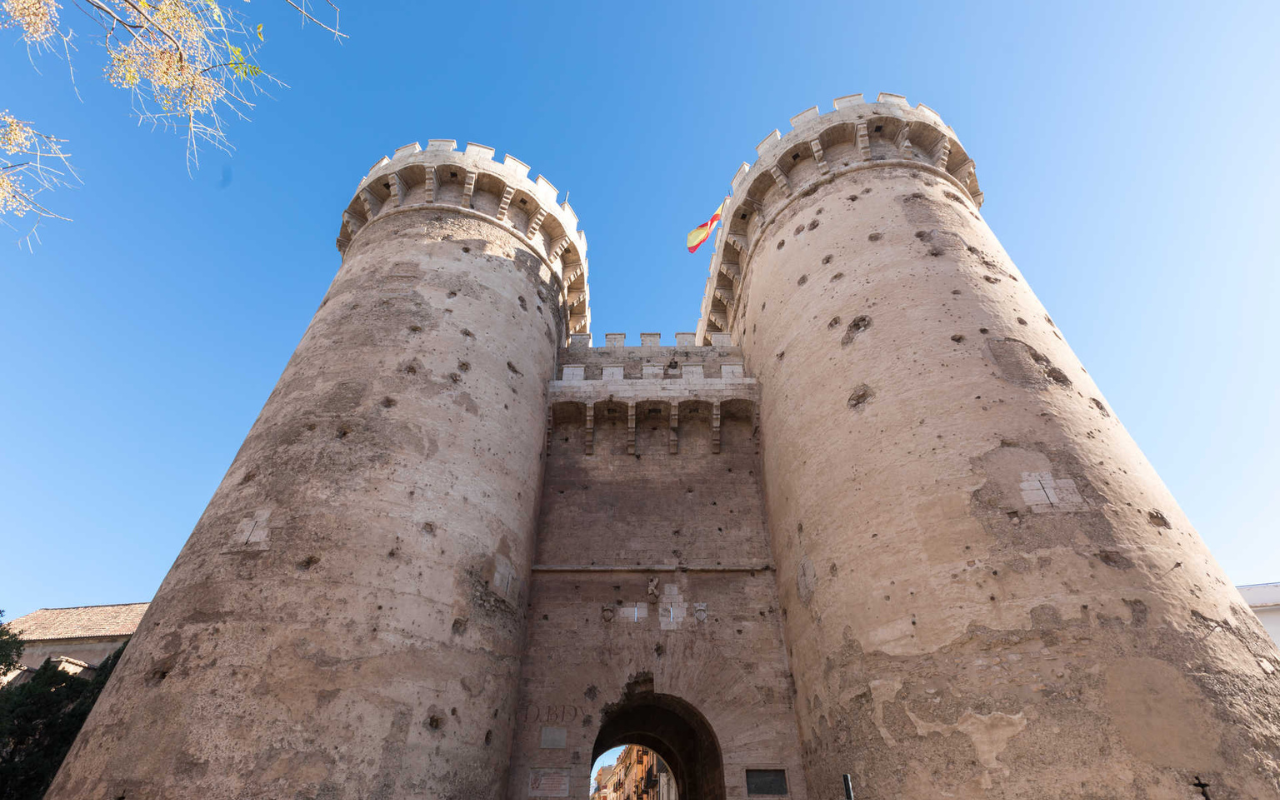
(872, 519)
(987, 589)
(346, 619)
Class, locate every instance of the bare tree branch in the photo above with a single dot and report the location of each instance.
(334, 30)
(184, 63)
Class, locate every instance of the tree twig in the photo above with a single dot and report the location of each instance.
(307, 14)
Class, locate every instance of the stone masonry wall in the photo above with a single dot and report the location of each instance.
(988, 591)
(654, 567)
(872, 519)
(346, 619)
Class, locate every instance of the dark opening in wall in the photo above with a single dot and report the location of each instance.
(673, 731)
(767, 782)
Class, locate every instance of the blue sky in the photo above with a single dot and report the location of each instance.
(1125, 152)
(607, 759)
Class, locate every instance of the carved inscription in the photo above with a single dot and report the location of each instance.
(549, 714)
(548, 783)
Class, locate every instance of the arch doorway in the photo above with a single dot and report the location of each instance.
(676, 732)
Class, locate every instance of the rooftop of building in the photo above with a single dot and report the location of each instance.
(79, 622)
(1261, 595)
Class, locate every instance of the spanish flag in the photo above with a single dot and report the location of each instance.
(703, 232)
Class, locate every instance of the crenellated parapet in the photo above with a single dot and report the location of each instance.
(651, 381)
(855, 135)
(470, 181)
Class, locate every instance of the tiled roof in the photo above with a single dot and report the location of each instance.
(81, 622)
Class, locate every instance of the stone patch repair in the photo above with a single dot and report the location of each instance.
(1045, 493)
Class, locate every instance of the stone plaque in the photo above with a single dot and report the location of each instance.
(548, 783)
(554, 738)
(771, 782)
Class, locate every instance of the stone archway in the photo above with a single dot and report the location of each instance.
(673, 729)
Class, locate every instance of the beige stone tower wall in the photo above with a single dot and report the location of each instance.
(987, 590)
(347, 618)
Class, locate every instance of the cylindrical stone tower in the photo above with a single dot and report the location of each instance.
(987, 589)
(346, 619)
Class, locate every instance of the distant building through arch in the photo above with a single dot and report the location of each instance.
(676, 733)
(638, 774)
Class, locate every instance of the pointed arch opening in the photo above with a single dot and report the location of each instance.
(673, 729)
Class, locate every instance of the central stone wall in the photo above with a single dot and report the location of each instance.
(653, 573)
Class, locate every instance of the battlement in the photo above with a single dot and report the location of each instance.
(472, 180)
(619, 340)
(855, 135)
(650, 360)
(650, 382)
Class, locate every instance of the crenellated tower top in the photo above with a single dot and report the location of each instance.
(470, 181)
(856, 135)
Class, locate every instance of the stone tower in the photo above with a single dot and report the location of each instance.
(870, 529)
(346, 619)
(987, 590)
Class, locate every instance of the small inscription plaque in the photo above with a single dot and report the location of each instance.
(252, 533)
(548, 783)
(554, 738)
(771, 782)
